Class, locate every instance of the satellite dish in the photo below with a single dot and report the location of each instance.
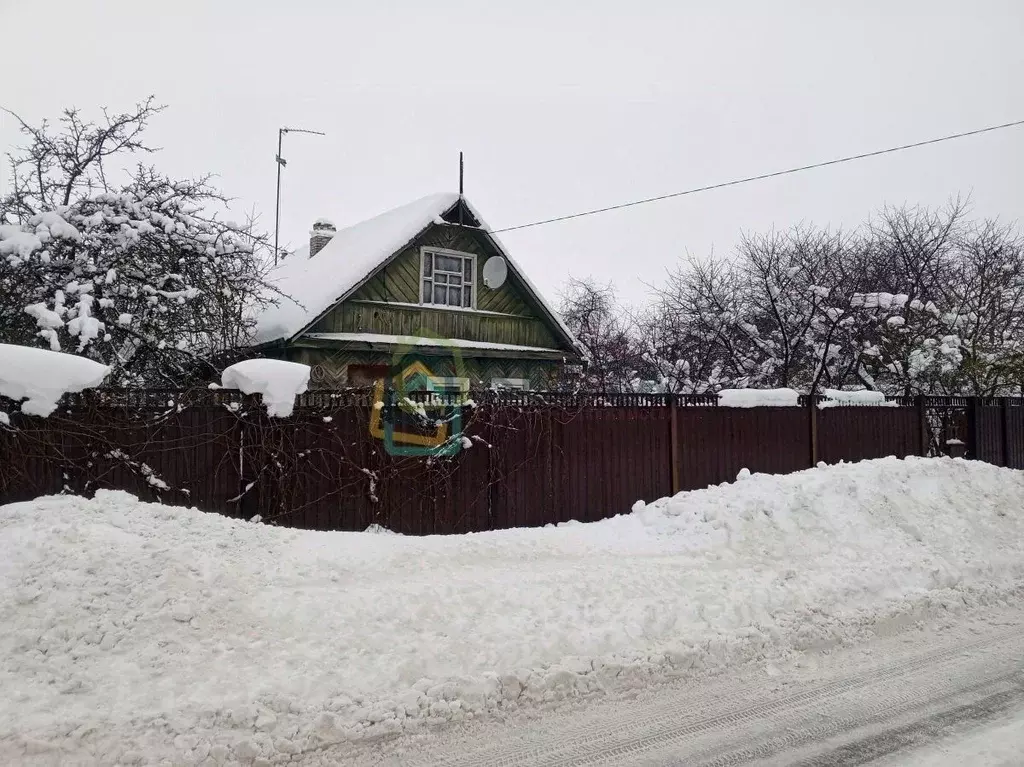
(495, 272)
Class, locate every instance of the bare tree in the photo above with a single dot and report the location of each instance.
(916, 301)
(909, 265)
(688, 335)
(591, 312)
(143, 275)
(55, 168)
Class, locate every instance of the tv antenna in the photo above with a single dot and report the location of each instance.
(281, 162)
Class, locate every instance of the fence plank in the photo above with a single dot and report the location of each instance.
(861, 433)
(986, 433)
(1015, 434)
(716, 443)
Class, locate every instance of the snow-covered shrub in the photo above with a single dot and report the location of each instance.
(145, 277)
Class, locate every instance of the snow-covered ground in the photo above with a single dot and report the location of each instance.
(998, 744)
(129, 629)
(941, 693)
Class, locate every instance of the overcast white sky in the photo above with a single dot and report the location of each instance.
(559, 106)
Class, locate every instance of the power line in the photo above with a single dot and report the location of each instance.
(761, 177)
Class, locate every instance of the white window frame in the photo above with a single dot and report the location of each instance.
(455, 254)
(513, 384)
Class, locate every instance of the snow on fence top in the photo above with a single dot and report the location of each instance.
(837, 398)
(758, 398)
(278, 382)
(41, 377)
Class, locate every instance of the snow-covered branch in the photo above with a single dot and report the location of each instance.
(145, 278)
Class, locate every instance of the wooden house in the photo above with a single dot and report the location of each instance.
(425, 281)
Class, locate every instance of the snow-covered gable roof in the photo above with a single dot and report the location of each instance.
(312, 286)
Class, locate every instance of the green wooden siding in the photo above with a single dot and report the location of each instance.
(356, 317)
(522, 323)
(330, 367)
(388, 304)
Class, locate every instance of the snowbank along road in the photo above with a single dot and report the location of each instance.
(139, 632)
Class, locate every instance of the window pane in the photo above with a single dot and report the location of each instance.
(441, 277)
(455, 279)
(449, 263)
(467, 269)
(428, 264)
(427, 291)
(455, 296)
(440, 293)
(467, 296)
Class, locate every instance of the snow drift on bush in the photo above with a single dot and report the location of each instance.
(41, 377)
(277, 381)
(129, 628)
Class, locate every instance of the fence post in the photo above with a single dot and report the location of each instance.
(551, 504)
(922, 426)
(972, 428)
(812, 415)
(673, 444)
(1005, 421)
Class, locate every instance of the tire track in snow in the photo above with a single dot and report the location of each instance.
(724, 724)
(796, 734)
(895, 739)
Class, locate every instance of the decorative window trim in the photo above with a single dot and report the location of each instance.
(517, 384)
(463, 282)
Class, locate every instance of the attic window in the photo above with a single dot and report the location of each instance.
(447, 278)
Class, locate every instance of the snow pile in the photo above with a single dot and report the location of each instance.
(130, 629)
(278, 382)
(42, 377)
(837, 398)
(758, 398)
(15, 241)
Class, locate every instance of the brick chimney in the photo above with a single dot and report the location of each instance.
(321, 234)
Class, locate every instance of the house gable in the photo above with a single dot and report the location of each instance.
(389, 301)
(460, 213)
(366, 281)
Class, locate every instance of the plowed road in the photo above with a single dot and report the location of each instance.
(921, 696)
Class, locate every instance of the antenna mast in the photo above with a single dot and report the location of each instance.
(281, 162)
(461, 187)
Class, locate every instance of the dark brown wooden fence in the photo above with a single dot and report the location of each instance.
(534, 459)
